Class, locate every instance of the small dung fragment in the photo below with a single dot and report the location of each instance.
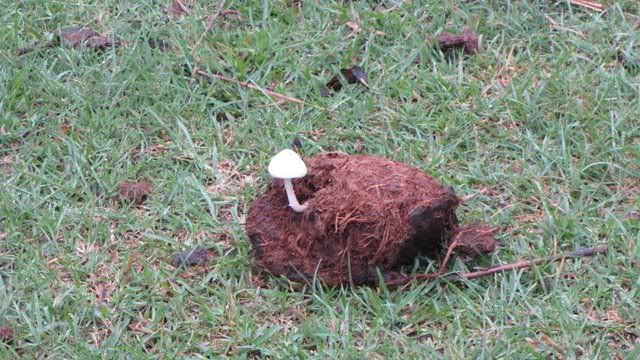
(85, 37)
(134, 192)
(468, 42)
(476, 239)
(75, 37)
(355, 74)
(6, 334)
(197, 256)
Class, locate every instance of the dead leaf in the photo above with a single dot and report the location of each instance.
(177, 8)
(6, 334)
(197, 256)
(354, 28)
(468, 42)
(353, 75)
(85, 38)
(103, 290)
(505, 73)
(134, 192)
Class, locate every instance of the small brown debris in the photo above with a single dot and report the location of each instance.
(296, 143)
(177, 8)
(75, 37)
(476, 239)
(5, 165)
(633, 215)
(505, 74)
(159, 44)
(134, 192)
(6, 334)
(231, 14)
(103, 290)
(630, 64)
(353, 75)
(197, 256)
(468, 42)
(353, 26)
(85, 37)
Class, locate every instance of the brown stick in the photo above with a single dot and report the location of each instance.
(28, 49)
(255, 87)
(592, 251)
(593, 5)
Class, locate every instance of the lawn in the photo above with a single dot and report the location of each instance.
(539, 132)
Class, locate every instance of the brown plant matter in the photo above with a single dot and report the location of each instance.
(197, 256)
(364, 213)
(177, 8)
(134, 192)
(353, 75)
(6, 334)
(468, 41)
(80, 37)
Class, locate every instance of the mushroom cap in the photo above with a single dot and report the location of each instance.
(287, 165)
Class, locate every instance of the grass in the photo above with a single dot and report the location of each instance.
(540, 130)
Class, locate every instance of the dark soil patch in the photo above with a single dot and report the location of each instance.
(365, 213)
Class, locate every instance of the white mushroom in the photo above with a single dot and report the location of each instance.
(288, 165)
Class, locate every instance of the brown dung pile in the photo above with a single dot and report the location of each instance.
(364, 213)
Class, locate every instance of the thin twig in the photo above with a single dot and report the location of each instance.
(28, 49)
(592, 251)
(593, 5)
(256, 87)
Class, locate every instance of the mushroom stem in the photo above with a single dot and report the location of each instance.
(293, 201)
